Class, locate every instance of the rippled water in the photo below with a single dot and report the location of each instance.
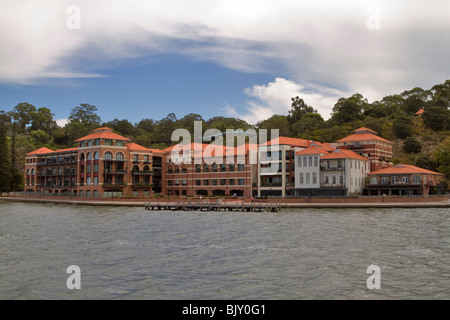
(130, 253)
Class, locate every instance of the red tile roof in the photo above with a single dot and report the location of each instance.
(102, 133)
(363, 134)
(40, 151)
(295, 142)
(344, 154)
(312, 150)
(418, 113)
(404, 169)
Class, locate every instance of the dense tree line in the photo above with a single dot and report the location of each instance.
(423, 140)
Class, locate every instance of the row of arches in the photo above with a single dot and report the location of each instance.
(108, 155)
(207, 168)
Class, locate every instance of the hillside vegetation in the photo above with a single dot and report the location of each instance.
(422, 140)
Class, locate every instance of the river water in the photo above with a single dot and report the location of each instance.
(130, 253)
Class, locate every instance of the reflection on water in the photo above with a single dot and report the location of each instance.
(130, 253)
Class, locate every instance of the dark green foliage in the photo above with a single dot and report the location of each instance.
(412, 145)
(403, 127)
(437, 118)
(5, 167)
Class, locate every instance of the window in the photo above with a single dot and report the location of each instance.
(310, 161)
(89, 156)
(108, 142)
(214, 182)
(405, 179)
(301, 177)
(183, 170)
(97, 142)
(240, 167)
(169, 171)
(135, 157)
(314, 177)
(231, 167)
(394, 179)
(96, 155)
(231, 182)
(146, 158)
(223, 167)
(177, 170)
(183, 182)
(299, 161)
(373, 180)
(205, 182)
(119, 143)
(108, 156)
(119, 156)
(223, 182)
(177, 182)
(95, 167)
(334, 179)
(327, 180)
(89, 143)
(316, 161)
(96, 181)
(198, 182)
(197, 168)
(82, 144)
(307, 178)
(205, 168)
(214, 167)
(241, 182)
(305, 161)
(416, 180)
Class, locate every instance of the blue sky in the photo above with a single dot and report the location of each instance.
(241, 58)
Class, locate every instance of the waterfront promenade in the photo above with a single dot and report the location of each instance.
(360, 202)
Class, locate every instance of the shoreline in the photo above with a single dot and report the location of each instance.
(406, 202)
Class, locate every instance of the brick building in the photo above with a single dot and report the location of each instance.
(367, 143)
(103, 164)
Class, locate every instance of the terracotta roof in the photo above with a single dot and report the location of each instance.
(295, 142)
(418, 113)
(344, 154)
(328, 147)
(192, 147)
(102, 133)
(363, 137)
(312, 150)
(402, 169)
(135, 146)
(40, 151)
(365, 130)
(66, 150)
(218, 151)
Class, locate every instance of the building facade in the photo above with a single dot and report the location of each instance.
(337, 173)
(207, 170)
(401, 180)
(367, 143)
(103, 164)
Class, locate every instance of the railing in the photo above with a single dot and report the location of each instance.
(142, 185)
(114, 185)
(142, 173)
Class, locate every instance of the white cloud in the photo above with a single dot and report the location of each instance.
(323, 41)
(275, 98)
(62, 122)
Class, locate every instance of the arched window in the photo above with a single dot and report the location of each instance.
(135, 168)
(373, 180)
(205, 168)
(119, 156)
(28, 172)
(214, 167)
(82, 156)
(89, 156)
(198, 168)
(96, 155)
(54, 171)
(146, 168)
(60, 171)
(108, 155)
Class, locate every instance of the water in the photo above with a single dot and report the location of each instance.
(130, 253)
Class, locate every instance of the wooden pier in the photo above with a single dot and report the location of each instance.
(218, 206)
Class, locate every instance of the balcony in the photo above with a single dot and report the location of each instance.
(334, 168)
(114, 185)
(143, 185)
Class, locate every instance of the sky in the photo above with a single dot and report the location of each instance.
(235, 58)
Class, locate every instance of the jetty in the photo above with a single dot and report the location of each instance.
(217, 206)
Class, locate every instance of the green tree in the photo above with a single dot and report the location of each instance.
(82, 121)
(437, 118)
(43, 120)
(442, 156)
(275, 122)
(415, 99)
(349, 109)
(403, 126)
(23, 114)
(5, 167)
(441, 94)
(299, 109)
(426, 162)
(412, 145)
(123, 127)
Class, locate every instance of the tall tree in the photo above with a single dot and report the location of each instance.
(299, 109)
(349, 109)
(82, 121)
(5, 167)
(23, 113)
